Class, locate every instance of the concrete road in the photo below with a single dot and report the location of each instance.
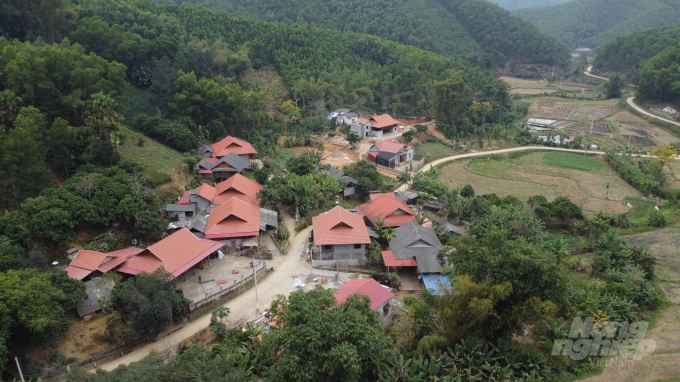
(587, 73)
(280, 281)
(631, 102)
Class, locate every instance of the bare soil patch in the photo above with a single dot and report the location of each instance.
(593, 112)
(625, 116)
(558, 111)
(598, 128)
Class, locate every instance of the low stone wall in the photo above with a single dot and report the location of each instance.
(343, 264)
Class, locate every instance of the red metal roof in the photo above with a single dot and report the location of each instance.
(185, 200)
(235, 218)
(117, 258)
(369, 287)
(339, 226)
(372, 156)
(390, 261)
(387, 207)
(176, 253)
(391, 146)
(232, 145)
(237, 186)
(90, 260)
(206, 192)
(383, 121)
(77, 273)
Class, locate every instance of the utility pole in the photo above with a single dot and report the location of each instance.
(591, 126)
(257, 302)
(19, 367)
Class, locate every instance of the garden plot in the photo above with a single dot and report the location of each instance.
(646, 136)
(593, 112)
(625, 116)
(527, 176)
(598, 128)
(559, 111)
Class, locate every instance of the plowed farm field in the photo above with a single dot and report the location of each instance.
(646, 136)
(592, 112)
(598, 128)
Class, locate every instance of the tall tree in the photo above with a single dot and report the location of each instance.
(451, 100)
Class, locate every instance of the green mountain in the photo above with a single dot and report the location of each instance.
(476, 30)
(595, 22)
(628, 53)
(518, 4)
(660, 76)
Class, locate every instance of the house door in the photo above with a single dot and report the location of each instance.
(233, 244)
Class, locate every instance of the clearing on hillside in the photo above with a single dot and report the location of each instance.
(159, 161)
(527, 175)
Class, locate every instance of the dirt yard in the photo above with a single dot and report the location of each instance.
(527, 176)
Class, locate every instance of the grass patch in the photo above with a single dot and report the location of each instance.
(573, 161)
(164, 165)
(437, 150)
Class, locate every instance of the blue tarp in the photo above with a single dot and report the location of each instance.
(434, 283)
(332, 115)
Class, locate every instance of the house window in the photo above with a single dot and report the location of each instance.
(386, 310)
(328, 247)
(357, 246)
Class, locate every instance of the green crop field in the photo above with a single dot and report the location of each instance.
(574, 161)
(437, 150)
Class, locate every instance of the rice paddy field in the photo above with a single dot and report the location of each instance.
(582, 179)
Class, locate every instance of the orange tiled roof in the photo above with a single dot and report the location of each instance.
(371, 288)
(339, 226)
(383, 121)
(391, 146)
(90, 260)
(387, 207)
(235, 218)
(232, 145)
(237, 186)
(206, 192)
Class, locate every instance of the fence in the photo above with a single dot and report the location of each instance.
(343, 265)
(206, 304)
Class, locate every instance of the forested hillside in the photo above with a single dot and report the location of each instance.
(595, 22)
(659, 77)
(517, 4)
(474, 30)
(626, 54)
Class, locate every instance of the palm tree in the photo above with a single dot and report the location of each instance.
(101, 115)
(388, 234)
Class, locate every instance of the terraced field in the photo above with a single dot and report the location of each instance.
(529, 175)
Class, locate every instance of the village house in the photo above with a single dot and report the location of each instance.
(89, 263)
(221, 168)
(176, 254)
(229, 145)
(386, 207)
(390, 153)
(381, 298)
(414, 245)
(238, 186)
(97, 288)
(340, 235)
(376, 126)
(343, 116)
(349, 182)
(238, 223)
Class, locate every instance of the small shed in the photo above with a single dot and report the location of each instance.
(96, 289)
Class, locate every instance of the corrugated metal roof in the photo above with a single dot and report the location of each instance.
(180, 208)
(90, 260)
(232, 145)
(268, 218)
(206, 192)
(238, 186)
(95, 289)
(412, 239)
(383, 121)
(77, 273)
(390, 261)
(235, 218)
(339, 226)
(391, 146)
(387, 207)
(369, 287)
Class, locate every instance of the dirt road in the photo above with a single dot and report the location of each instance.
(631, 102)
(280, 281)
